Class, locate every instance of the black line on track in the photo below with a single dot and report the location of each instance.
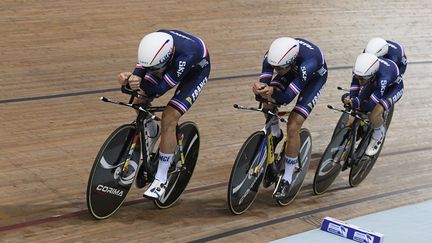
(405, 151)
(55, 96)
(308, 213)
(46, 97)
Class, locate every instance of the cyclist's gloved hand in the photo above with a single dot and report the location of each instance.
(258, 86)
(346, 100)
(134, 82)
(123, 78)
(259, 98)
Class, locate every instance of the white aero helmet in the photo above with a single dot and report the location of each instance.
(283, 51)
(377, 46)
(366, 66)
(155, 50)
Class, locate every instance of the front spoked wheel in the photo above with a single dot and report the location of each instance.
(179, 175)
(110, 180)
(332, 161)
(301, 168)
(244, 183)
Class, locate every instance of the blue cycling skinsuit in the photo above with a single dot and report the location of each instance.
(306, 78)
(385, 89)
(397, 54)
(189, 69)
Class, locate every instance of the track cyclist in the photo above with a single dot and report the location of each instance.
(376, 86)
(389, 50)
(300, 70)
(167, 58)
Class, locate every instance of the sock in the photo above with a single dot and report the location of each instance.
(275, 129)
(290, 164)
(163, 166)
(378, 132)
(152, 127)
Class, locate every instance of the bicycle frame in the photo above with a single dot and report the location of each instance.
(353, 157)
(141, 134)
(266, 153)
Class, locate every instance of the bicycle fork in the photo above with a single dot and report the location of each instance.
(179, 153)
(265, 155)
(255, 170)
(129, 156)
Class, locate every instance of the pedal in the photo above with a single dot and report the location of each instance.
(345, 166)
(185, 169)
(141, 178)
(256, 170)
(268, 178)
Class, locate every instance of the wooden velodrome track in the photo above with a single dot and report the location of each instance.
(58, 57)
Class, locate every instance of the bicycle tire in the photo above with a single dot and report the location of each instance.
(300, 174)
(242, 186)
(330, 164)
(178, 181)
(340, 124)
(366, 167)
(389, 118)
(106, 190)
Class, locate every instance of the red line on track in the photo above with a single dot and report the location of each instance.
(142, 200)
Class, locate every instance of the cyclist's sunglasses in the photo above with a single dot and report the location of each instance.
(364, 79)
(280, 67)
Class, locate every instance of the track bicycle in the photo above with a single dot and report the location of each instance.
(127, 156)
(347, 150)
(258, 161)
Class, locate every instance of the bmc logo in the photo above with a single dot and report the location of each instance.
(164, 158)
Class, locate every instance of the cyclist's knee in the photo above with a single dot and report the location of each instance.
(376, 116)
(170, 118)
(349, 121)
(295, 123)
(293, 129)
